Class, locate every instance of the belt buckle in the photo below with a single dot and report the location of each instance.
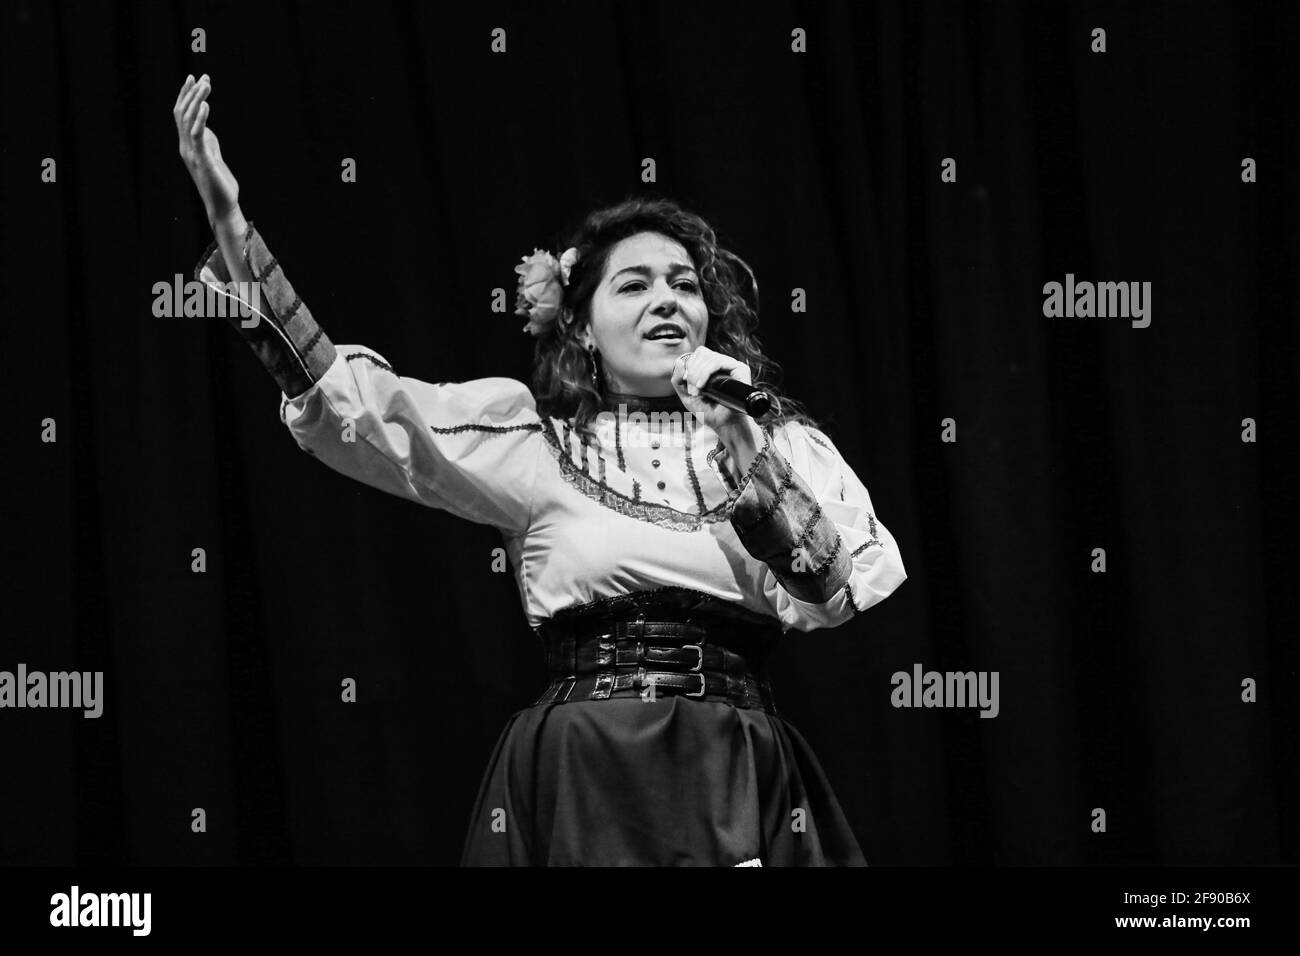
(703, 685)
(633, 630)
(699, 663)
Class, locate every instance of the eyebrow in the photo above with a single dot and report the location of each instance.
(674, 269)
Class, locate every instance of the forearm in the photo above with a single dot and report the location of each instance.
(283, 334)
(229, 231)
(743, 442)
(781, 522)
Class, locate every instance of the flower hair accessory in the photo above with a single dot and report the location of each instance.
(542, 280)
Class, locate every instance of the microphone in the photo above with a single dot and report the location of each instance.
(735, 394)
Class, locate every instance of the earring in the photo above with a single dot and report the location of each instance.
(595, 381)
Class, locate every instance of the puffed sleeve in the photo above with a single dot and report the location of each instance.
(802, 511)
(469, 448)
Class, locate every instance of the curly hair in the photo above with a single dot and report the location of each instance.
(562, 370)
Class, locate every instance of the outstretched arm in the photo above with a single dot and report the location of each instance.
(469, 448)
(217, 186)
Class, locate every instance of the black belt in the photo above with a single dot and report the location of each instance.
(600, 658)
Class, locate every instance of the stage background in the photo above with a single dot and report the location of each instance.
(1119, 690)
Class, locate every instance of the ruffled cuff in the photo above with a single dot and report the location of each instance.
(285, 338)
(780, 522)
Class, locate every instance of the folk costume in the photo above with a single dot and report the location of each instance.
(657, 580)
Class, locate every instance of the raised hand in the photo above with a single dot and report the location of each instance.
(201, 152)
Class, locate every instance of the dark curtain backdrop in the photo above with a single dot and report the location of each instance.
(1119, 690)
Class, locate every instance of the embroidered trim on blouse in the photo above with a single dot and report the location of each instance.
(809, 528)
(311, 342)
(690, 470)
(875, 539)
(786, 484)
(819, 441)
(294, 306)
(584, 463)
(825, 565)
(871, 526)
(453, 429)
(369, 358)
(723, 474)
(749, 472)
(661, 515)
(270, 267)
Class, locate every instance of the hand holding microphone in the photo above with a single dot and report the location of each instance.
(717, 389)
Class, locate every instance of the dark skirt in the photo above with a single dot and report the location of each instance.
(667, 782)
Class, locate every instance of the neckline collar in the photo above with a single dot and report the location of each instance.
(627, 402)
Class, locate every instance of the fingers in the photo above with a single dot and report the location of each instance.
(185, 88)
(679, 370)
(683, 377)
(187, 93)
(201, 90)
(193, 101)
(196, 131)
(700, 365)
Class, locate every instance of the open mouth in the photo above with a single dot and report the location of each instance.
(666, 332)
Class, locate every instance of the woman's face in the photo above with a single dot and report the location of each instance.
(649, 280)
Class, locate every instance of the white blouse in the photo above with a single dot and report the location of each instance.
(653, 505)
